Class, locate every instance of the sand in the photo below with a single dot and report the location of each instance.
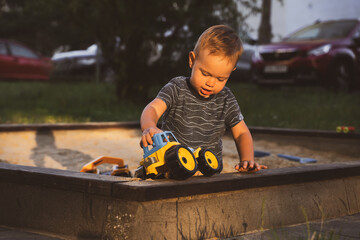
(71, 149)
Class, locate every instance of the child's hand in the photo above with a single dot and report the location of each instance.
(147, 135)
(246, 166)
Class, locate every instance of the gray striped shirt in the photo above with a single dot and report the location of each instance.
(197, 121)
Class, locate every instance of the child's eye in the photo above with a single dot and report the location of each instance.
(222, 79)
(205, 74)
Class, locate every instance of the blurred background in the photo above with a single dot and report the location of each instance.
(101, 61)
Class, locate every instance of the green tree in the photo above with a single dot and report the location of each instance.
(167, 29)
(42, 24)
(265, 34)
(265, 29)
(144, 42)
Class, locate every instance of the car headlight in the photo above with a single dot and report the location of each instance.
(257, 55)
(320, 50)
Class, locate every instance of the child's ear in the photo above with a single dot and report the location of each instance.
(191, 59)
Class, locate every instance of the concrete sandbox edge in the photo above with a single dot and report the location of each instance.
(80, 205)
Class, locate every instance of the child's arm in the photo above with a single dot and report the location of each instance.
(149, 118)
(245, 148)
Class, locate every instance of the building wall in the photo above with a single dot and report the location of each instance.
(294, 14)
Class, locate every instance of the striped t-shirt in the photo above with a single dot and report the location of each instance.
(197, 121)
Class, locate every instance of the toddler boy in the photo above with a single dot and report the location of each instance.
(198, 109)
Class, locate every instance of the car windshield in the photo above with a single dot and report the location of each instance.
(325, 30)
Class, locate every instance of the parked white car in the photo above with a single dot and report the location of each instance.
(83, 64)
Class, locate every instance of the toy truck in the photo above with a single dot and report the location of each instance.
(166, 157)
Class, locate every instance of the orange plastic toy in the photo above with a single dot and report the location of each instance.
(119, 168)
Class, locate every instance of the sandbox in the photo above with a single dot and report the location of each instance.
(75, 205)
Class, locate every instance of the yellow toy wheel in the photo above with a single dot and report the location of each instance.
(208, 163)
(181, 162)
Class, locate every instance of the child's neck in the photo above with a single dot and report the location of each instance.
(197, 95)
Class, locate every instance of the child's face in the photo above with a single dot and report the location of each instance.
(209, 72)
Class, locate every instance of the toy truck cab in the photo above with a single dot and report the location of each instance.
(166, 157)
(160, 140)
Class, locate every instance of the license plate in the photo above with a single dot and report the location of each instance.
(275, 69)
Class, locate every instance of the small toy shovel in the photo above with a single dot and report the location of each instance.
(297, 159)
(260, 154)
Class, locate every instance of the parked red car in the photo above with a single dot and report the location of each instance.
(20, 62)
(327, 52)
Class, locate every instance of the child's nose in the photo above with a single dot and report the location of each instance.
(211, 82)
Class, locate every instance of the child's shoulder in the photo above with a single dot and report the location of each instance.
(226, 92)
(180, 80)
(179, 83)
(175, 86)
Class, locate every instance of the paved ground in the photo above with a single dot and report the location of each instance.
(15, 234)
(345, 228)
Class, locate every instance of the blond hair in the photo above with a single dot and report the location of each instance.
(220, 40)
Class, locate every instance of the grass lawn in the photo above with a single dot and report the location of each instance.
(286, 107)
(41, 102)
(301, 107)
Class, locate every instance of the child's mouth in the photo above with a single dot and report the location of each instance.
(205, 91)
